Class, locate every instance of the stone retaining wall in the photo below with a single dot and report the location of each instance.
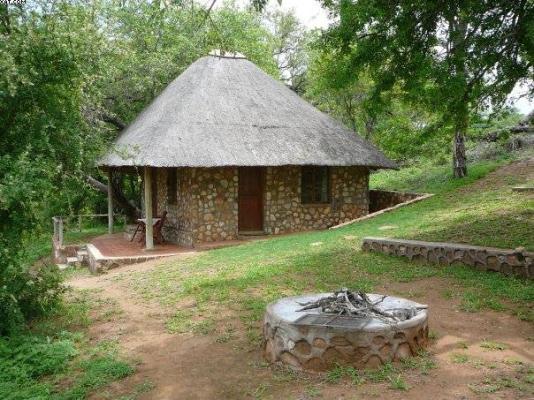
(516, 262)
(380, 199)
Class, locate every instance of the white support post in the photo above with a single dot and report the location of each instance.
(60, 228)
(110, 202)
(149, 237)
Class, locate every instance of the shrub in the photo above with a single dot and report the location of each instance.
(24, 359)
(26, 294)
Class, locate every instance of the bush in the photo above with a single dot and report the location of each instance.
(26, 294)
(485, 151)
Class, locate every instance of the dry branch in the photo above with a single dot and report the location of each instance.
(357, 304)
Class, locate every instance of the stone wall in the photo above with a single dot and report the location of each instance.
(381, 199)
(207, 205)
(285, 213)
(214, 203)
(516, 262)
(179, 226)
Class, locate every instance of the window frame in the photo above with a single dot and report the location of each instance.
(317, 172)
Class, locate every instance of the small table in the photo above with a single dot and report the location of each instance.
(141, 225)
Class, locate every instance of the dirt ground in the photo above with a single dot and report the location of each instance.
(187, 366)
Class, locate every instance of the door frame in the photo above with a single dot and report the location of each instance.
(261, 198)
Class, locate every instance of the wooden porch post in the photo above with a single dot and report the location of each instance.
(148, 209)
(110, 202)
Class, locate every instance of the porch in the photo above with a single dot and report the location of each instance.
(114, 250)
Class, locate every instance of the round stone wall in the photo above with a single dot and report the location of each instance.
(295, 339)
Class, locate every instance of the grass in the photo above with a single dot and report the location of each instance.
(492, 215)
(55, 360)
(429, 178)
(459, 358)
(243, 279)
(88, 232)
(490, 345)
(521, 379)
(394, 374)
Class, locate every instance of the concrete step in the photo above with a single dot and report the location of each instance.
(81, 255)
(73, 261)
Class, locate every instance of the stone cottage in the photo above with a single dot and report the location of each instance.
(227, 150)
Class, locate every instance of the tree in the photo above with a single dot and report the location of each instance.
(72, 75)
(454, 57)
(290, 41)
(398, 128)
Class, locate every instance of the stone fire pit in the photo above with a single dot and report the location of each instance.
(315, 340)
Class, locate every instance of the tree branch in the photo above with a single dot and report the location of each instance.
(118, 197)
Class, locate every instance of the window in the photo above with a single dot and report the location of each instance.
(315, 185)
(171, 186)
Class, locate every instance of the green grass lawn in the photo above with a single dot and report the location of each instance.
(245, 278)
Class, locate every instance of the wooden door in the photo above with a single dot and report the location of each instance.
(250, 199)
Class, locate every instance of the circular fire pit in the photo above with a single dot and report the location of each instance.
(313, 340)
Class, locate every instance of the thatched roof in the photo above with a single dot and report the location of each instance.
(225, 111)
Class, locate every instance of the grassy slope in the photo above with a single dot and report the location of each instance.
(487, 213)
(245, 278)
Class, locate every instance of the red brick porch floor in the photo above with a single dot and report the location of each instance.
(116, 245)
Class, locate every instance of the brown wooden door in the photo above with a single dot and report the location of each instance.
(250, 199)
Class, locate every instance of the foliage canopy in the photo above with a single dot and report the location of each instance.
(454, 56)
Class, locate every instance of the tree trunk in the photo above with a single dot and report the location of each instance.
(460, 109)
(369, 127)
(458, 154)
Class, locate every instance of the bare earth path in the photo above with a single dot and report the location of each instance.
(196, 366)
(180, 366)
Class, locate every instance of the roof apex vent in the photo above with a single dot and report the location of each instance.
(226, 54)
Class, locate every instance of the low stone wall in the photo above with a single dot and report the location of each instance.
(380, 199)
(419, 197)
(523, 189)
(516, 262)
